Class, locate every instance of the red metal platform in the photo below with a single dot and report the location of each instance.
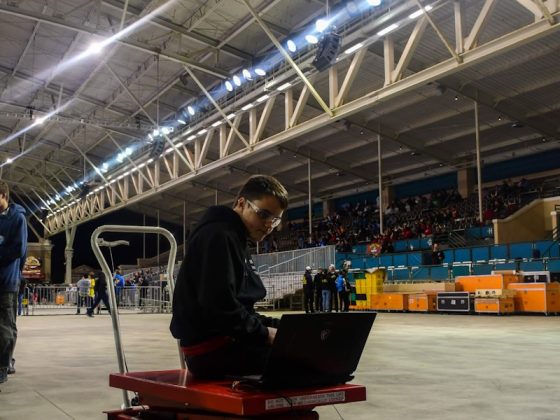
(178, 392)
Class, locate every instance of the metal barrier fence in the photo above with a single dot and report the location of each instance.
(279, 285)
(287, 262)
(64, 299)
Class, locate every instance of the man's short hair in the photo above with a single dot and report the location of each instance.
(4, 189)
(259, 185)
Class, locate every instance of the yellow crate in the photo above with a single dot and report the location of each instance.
(360, 286)
(379, 274)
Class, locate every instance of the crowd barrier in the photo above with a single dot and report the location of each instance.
(64, 299)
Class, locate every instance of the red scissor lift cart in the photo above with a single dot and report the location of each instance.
(174, 394)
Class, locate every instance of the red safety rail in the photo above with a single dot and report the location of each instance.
(177, 390)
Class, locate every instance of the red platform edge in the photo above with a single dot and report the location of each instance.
(176, 388)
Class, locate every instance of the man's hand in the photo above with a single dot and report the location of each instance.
(271, 336)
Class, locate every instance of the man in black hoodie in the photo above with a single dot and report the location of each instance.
(217, 286)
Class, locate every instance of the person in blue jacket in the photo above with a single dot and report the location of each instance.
(343, 290)
(13, 249)
(119, 285)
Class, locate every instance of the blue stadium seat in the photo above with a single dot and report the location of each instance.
(439, 273)
(481, 269)
(532, 266)
(480, 253)
(460, 270)
(499, 252)
(521, 250)
(420, 273)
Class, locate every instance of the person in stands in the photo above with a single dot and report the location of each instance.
(214, 319)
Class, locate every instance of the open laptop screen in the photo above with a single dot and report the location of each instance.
(317, 349)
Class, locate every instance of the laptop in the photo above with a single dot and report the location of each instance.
(314, 350)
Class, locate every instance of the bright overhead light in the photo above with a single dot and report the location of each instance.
(190, 110)
(182, 122)
(263, 98)
(374, 2)
(230, 116)
(120, 158)
(191, 137)
(217, 123)
(229, 86)
(321, 24)
(155, 133)
(284, 86)
(95, 48)
(312, 39)
(9, 160)
(150, 160)
(388, 29)
(247, 74)
(246, 107)
(354, 48)
(203, 131)
(167, 130)
(260, 72)
(41, 120)
(236, 80)
(419, 12)
(128, 151)
(292, 47)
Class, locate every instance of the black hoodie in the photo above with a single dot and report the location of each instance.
(217, 285)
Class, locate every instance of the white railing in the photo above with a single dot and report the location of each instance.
(279, 285)
(294, 261)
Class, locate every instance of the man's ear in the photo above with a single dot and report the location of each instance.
(240, 202)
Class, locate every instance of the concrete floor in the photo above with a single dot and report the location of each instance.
(421, 366)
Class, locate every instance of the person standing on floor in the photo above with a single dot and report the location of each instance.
(331, 280)
(119, 285)
(318, 290)
(13, 249)
(326, 292)
(217, 287)
(343, 290)
(83, 286)
(21, 295)
(308, 292)
(100, 295)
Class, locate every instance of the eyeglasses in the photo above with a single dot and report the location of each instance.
(265, 214)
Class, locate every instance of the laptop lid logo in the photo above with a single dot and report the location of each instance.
(325, 334)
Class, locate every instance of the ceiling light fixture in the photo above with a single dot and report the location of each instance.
(388, 29)
(419, 12)
(292, 47)
(312, 39)
(247, 74)
(284, 86)
(354, 48)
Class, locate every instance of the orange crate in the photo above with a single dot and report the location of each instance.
(536, 297)
(488, 281)
(494, 305)
(422, 302)
(389, 302)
